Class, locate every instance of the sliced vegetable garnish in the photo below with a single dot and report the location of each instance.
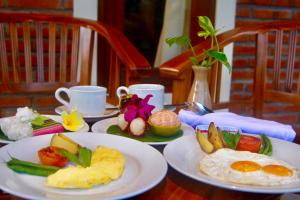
(26, 167)
(266, 148)
(230, 139)
(83, 159)
(39, 120)
(51, 156)
(85, 156)
(70, 156)
(249, 143)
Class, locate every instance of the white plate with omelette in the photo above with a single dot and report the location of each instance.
(137, 177)
(217, 169)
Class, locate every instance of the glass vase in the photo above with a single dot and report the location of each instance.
(200, 91)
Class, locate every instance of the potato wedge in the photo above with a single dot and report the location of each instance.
(214, 136)
(62, 141)
(221, 136)
(204, 143)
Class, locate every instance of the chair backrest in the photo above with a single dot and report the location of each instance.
(39, 53)
(275, 77)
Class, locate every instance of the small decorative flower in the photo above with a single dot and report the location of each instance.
(138, 107)
(72, 121)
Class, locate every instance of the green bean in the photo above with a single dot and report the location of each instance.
(85, 156)
(267, 146)
(16, 161)
(30, 170)
(262, 148)
(270, 149)
(70, 156)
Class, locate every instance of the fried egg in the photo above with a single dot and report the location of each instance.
(244, 167)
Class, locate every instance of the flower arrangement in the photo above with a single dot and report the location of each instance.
(211, 55)
(135, 113)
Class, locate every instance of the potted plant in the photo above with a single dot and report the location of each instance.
(200, 91)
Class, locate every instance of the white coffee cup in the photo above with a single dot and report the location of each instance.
(89, 100)
(142, 90)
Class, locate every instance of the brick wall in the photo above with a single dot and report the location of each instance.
(257, 11)
(44, 103)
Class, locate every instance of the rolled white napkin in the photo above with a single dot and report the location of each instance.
(246, 124)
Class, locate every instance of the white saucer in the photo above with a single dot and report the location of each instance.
(107, 113)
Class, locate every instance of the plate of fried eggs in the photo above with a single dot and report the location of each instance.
(238, 170)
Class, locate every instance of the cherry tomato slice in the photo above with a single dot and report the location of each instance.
(51, 156)
(249, 143)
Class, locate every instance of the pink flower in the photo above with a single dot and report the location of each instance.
(137, 107)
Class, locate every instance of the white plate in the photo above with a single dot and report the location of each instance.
(186, 161)
(102, 125)
(57, 118)
(107, 113)
(145, 167)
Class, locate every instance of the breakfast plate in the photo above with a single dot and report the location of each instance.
(186, 160)
(107, 112)
(138, 175)
(57, 118)
(102, 126)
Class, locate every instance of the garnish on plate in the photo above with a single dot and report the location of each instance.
(25, 167)
(39, 120)
(73, 121)
(217, 139)
(148, 136)
(27, 123)
(134, 116)
(51, 156)
(134, 121)
(164, 123)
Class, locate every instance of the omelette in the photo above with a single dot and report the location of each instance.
(107, 164)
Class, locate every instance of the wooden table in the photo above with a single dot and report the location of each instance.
(176, 186)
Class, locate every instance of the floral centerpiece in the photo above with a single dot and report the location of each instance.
(137, 121)
(135, 113)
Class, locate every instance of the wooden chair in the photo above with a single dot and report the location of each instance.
(39, 53)
(274, 78)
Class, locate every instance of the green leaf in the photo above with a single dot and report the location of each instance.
(204, 63)
(203, 34)
(148, 137)
(236, 139)
(194, 61)
(205, 23)
(114, 129)
(3, 136)
(39, 120)
(220, 56)
(179, 40)
(231, 140)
